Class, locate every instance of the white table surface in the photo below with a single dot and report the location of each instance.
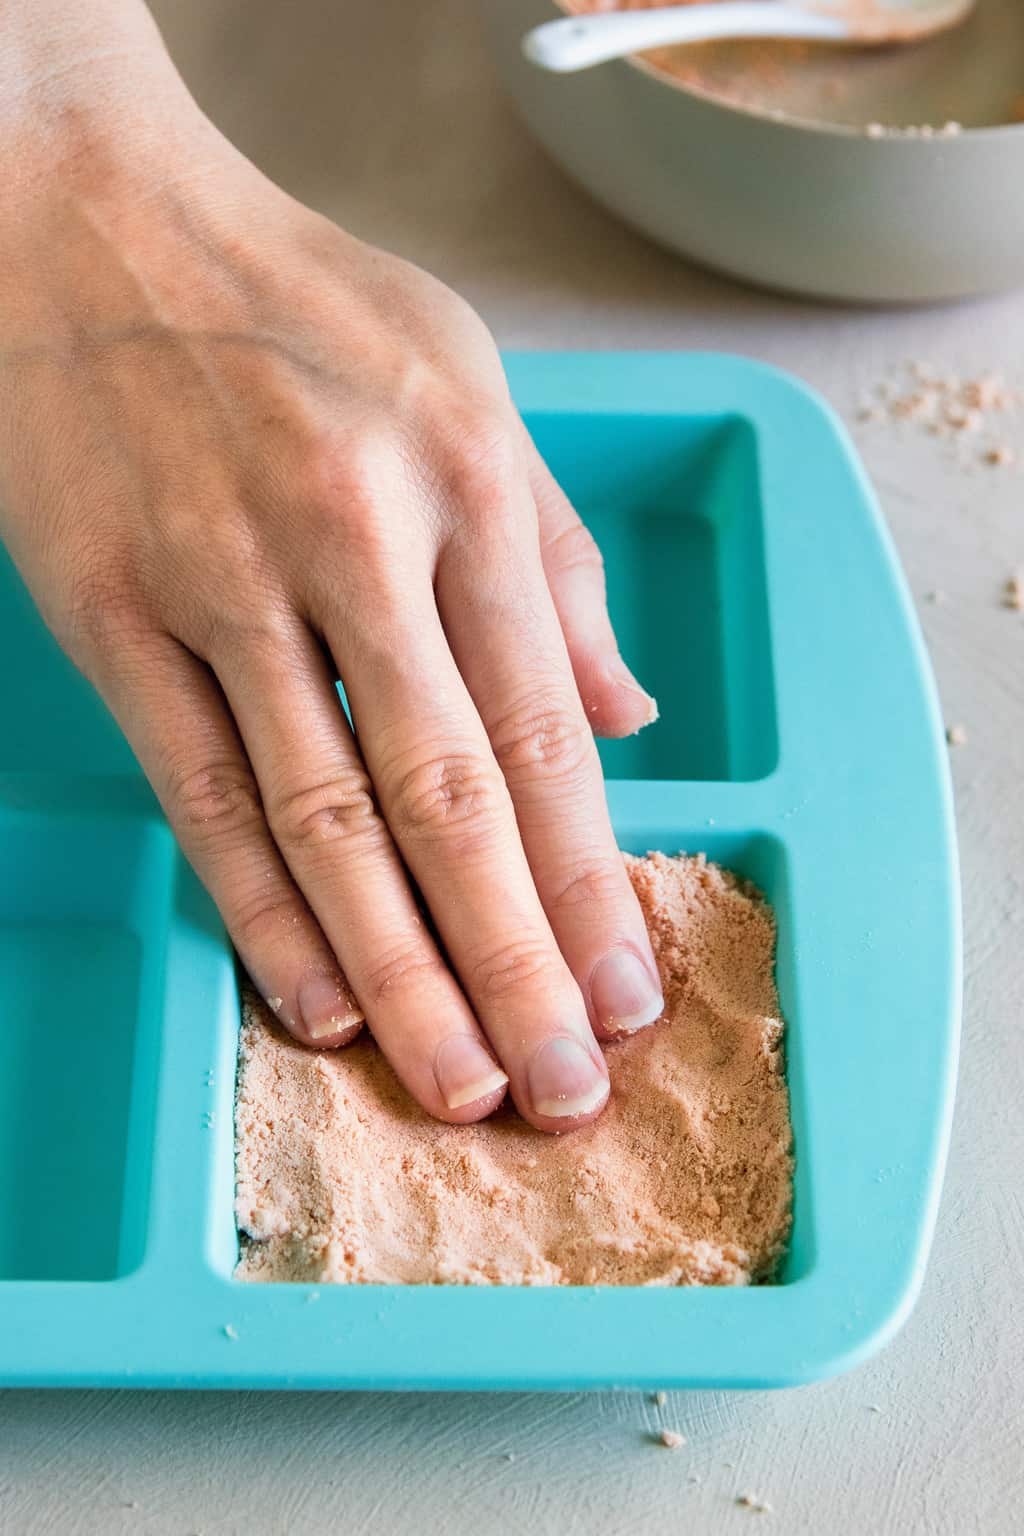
(385, 114)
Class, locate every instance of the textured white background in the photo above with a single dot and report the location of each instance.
(385, 114)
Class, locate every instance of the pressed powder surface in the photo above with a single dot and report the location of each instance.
(684, 1179)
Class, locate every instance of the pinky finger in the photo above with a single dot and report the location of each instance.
(175, 716)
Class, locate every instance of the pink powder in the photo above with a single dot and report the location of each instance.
(684, 1179)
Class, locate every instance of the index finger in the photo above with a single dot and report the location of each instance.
(507, 640)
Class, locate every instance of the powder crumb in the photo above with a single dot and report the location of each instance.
(313, 1296)
(919, 405)
(956, 735)
(230, 1332)
(946, 407)
(749, 1501)
(274, 1003)
(874, 131)
(342, 1178)
(510, 1455)
(936, 596)
(672, 1439)
(963, 418)
(659, 1399)
(988, 393)
(1013, 593)
(874, 1408)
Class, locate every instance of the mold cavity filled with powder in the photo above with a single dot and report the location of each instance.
(685, 1179)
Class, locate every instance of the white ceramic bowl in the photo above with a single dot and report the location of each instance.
(816, 207)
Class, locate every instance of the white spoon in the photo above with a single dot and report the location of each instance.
(577, 42)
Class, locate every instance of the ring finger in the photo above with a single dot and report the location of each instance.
(323, 815)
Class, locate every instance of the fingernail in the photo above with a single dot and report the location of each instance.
(564, 1081)
(325, 1007)
(465, 1072)
(620, 673)
(624, 994)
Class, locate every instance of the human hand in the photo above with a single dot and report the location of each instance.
(241, 454)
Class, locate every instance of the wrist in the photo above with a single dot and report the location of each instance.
(71, 68)
(93, 113)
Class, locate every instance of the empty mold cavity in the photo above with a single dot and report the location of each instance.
(674, 504)
(79, 890)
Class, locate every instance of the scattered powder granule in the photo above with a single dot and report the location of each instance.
(1013, 593)
(659, 1399)
(672, 1439)
(748, 1501)
(944, 405)
(956, 735)
(342, 1177)
(963, 418)
(230, 1332)
(989, 393)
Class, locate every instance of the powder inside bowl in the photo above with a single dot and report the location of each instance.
(684, 1179)
(970, 75)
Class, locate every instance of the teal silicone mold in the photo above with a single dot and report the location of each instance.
(756, 591)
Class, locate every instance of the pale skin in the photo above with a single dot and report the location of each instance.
(243, 454)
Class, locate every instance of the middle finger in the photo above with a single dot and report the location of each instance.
(450, 813)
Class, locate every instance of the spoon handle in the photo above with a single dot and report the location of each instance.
(577, 42)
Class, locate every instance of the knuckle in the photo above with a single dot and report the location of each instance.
(103, 612)
(573, 548)
(259, 922)
(407, 966)
(219, 796)
(337, 810)
(351, 473)
(232, 626)
(537, 742)
(455, 796)
(485, 470)
(588, 885)
(214, 535)
(460, 312)
(520, 963)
